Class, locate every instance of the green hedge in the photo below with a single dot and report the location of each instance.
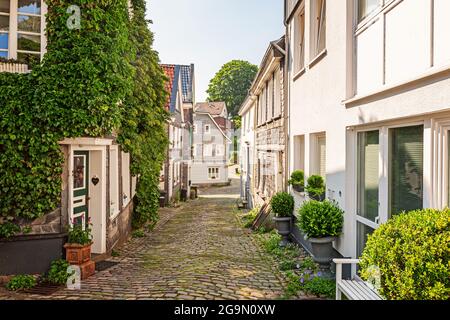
(321, 219)
(411, 252)
(282, 204)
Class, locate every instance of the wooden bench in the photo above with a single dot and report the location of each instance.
(355, 289)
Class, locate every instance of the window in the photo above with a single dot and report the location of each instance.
(318, 27)
(207, 129)
(363, 231)
(366, 7)
(368, 174)
(299, 48)
(299, 153)
(266, 102)
(207, 150)
(194, 128)
(277, 96)
(270, 93)
(220, 150)
(319, 154)
(20, 30)
(405, 169)
(213, 173)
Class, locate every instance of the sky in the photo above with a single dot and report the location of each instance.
(210, 33)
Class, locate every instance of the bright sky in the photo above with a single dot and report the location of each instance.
(210, 33)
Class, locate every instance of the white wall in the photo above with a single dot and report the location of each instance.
(320, 100)
(405, 40)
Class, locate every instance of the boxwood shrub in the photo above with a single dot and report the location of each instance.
(282, 204)
(411, 254)
(321, 219)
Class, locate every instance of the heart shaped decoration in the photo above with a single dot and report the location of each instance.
(95, 180)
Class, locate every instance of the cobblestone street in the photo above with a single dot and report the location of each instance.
(196, 251)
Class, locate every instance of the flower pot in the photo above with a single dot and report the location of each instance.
(284, 226)
(298, 188)
(322, 249)
(78, 254)
(320, 198)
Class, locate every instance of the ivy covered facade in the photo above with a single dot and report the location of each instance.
(82, 135)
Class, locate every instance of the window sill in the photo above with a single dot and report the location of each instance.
(433, 72)
(318, 58)
(299, 74)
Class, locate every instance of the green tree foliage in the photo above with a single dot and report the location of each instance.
(100, 79)
(143, 131)
(231, 84)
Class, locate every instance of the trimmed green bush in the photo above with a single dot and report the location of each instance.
(321, 219)
(21, 282)
(297, 178)
(411, 254)
(58, 272)
(282, 204)
(315, 187)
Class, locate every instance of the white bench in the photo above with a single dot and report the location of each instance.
(355, 289)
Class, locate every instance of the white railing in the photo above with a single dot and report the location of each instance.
(13, 67)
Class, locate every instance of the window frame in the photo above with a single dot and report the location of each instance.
(213, 173)
(384, 173)
(13, 33)
(300, 34)
(317, 24)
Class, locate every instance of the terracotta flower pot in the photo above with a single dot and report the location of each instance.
(78, 254)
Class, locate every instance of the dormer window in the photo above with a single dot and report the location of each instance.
(21, 30)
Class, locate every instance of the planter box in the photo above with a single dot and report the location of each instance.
(31, 254)
(87, 269)
(78, 254)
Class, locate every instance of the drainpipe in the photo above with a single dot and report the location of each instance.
(287, 105)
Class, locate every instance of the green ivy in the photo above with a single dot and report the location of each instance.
(143, 131)
(21, 282)
(100, 79)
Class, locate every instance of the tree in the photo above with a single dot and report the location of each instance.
(231, 84)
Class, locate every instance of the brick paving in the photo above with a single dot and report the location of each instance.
(197, 251)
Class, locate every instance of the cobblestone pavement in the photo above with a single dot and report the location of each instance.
(196, 251)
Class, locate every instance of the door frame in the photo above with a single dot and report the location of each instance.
(100, 201)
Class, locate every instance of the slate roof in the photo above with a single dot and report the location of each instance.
(186, 82)
(213, 108)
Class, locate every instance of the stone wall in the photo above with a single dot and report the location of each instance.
(118, 230)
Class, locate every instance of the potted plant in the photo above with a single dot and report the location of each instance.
(322, 222)
(297, 180)
(283, 206)
(78, 246)
(316, 188)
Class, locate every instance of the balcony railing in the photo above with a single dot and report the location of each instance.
(13, 67)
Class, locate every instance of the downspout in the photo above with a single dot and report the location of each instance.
(287, 104)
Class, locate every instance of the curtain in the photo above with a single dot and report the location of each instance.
(406, 169)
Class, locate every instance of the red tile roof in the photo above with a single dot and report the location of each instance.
(169, 70)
